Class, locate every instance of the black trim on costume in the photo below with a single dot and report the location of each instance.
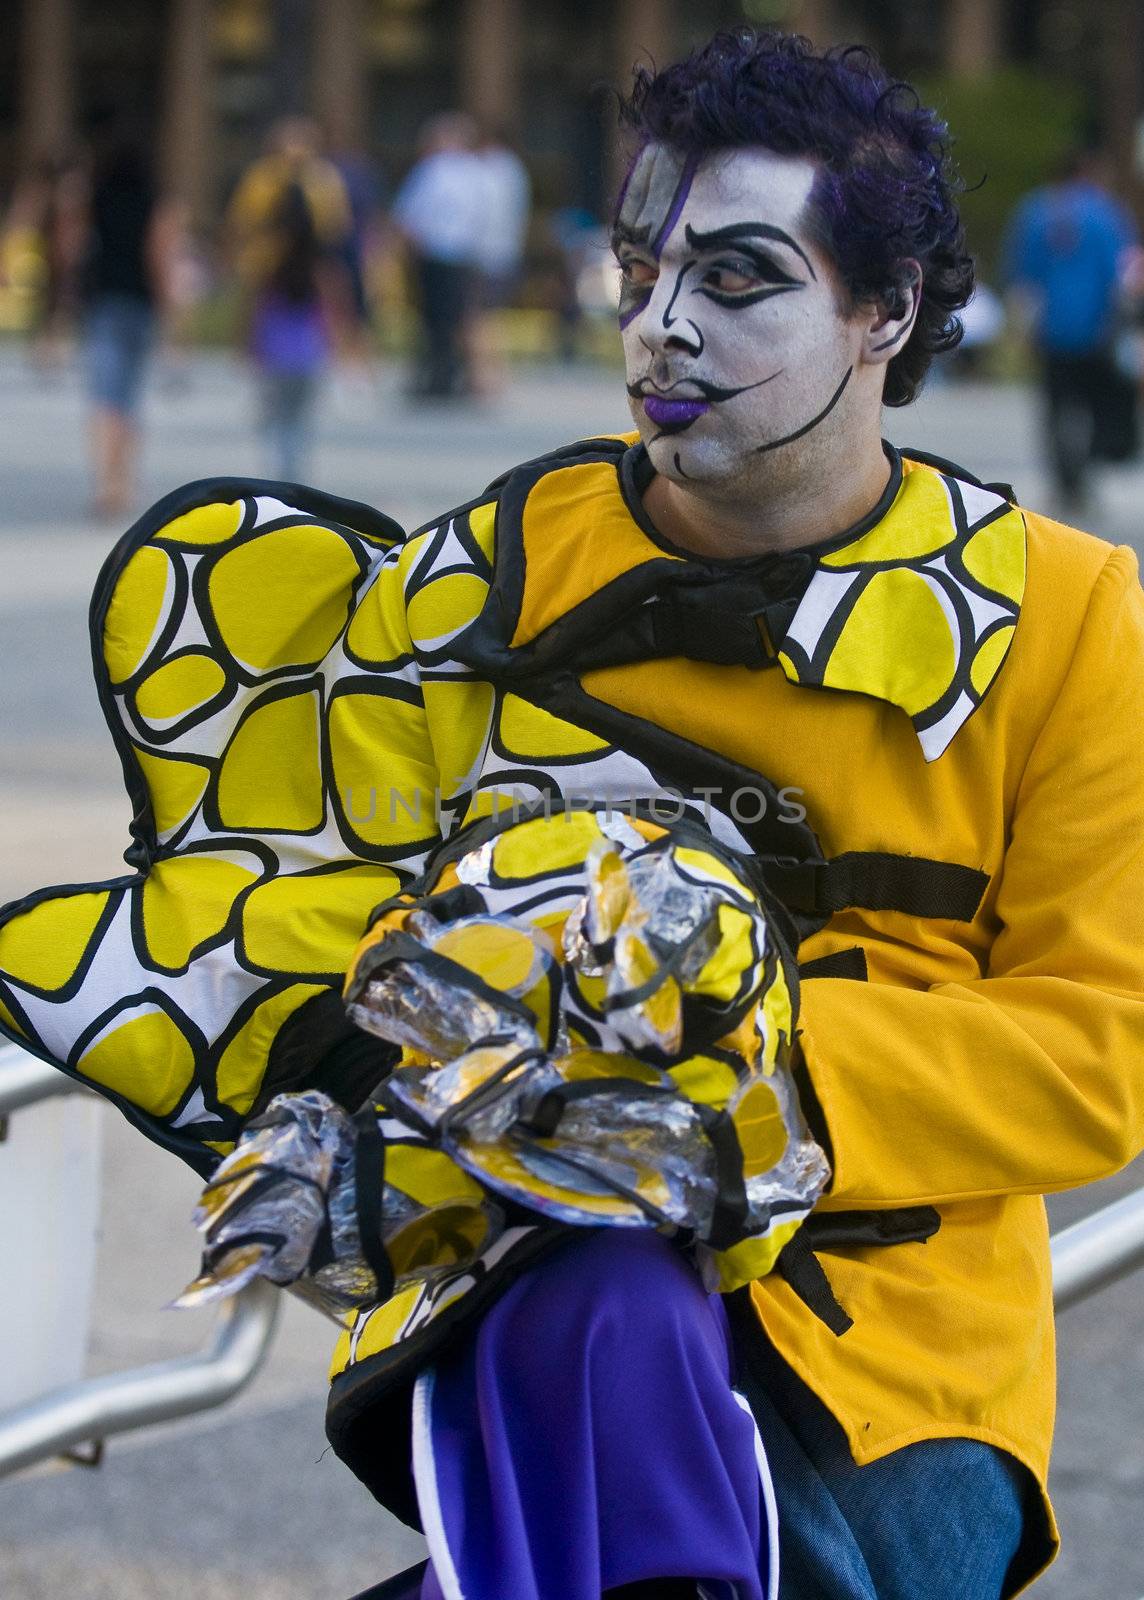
(952, 470)
(669, 756)
(369, 1188)
(730, 1211)
(809, 1102)
(486, 642)
(798, 1265)
(636, 473)
(849, 963)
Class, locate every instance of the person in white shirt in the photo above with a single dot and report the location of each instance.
(439, 211)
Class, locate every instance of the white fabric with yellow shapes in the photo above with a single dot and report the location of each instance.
(920, 610)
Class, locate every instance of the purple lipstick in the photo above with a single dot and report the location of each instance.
(673, 414)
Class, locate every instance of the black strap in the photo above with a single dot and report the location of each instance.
(728, 638)
(875, 880)
(730, 1210)
(837, 1230)
(369, 1185)
(849, 963)
(802, 1269)
(736, 624)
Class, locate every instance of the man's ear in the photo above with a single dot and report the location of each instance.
(892, 318)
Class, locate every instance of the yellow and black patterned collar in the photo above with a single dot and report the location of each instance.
(916, 605)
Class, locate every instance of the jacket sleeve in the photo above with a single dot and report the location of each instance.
(1031, 1078)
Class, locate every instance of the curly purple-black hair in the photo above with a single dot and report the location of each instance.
(885, 191)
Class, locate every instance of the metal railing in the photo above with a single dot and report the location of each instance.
(96, 1408)
(1098, 1250)
(1086, 1257)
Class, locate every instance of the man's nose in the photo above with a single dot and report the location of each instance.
(666, 326)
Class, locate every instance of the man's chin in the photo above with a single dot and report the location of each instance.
(692, 459)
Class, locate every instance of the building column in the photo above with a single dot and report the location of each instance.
(1123, 118)
(340, 89)
(645, 36)
(290, 23)
(188, 112)
(820, 22)
(973, 46)
(47, 79)
(491, 31)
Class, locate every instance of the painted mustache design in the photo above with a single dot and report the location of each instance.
(672, 412)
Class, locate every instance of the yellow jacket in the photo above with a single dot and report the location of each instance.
(986, 1062)
(953, 695)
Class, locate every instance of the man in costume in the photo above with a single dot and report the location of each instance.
(892, 715)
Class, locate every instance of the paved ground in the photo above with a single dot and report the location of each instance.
(245, 1500)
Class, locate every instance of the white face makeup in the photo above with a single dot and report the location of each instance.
(734, 342)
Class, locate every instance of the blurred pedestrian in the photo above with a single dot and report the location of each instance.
(361, 247)
(291, 164)
(1064, 254)
(44, 235)
(439, 211)
(583, 263)
(290, 339)
(506, 196)
(131, 244)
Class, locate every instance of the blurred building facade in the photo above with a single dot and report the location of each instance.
(208, 76)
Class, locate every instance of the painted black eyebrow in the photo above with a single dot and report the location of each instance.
(746, 230)
(623, 234)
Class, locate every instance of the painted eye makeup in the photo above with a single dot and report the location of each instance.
(745, 279)
(636, 272)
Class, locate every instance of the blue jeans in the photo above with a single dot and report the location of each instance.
(118, 333)
(946, 1519)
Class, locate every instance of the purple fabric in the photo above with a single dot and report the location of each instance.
(586, 1436)
(289, 338)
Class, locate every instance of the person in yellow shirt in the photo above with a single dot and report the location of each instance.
(291, 175)
(904, 705)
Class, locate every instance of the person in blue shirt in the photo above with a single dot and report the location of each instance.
(1064, 251)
